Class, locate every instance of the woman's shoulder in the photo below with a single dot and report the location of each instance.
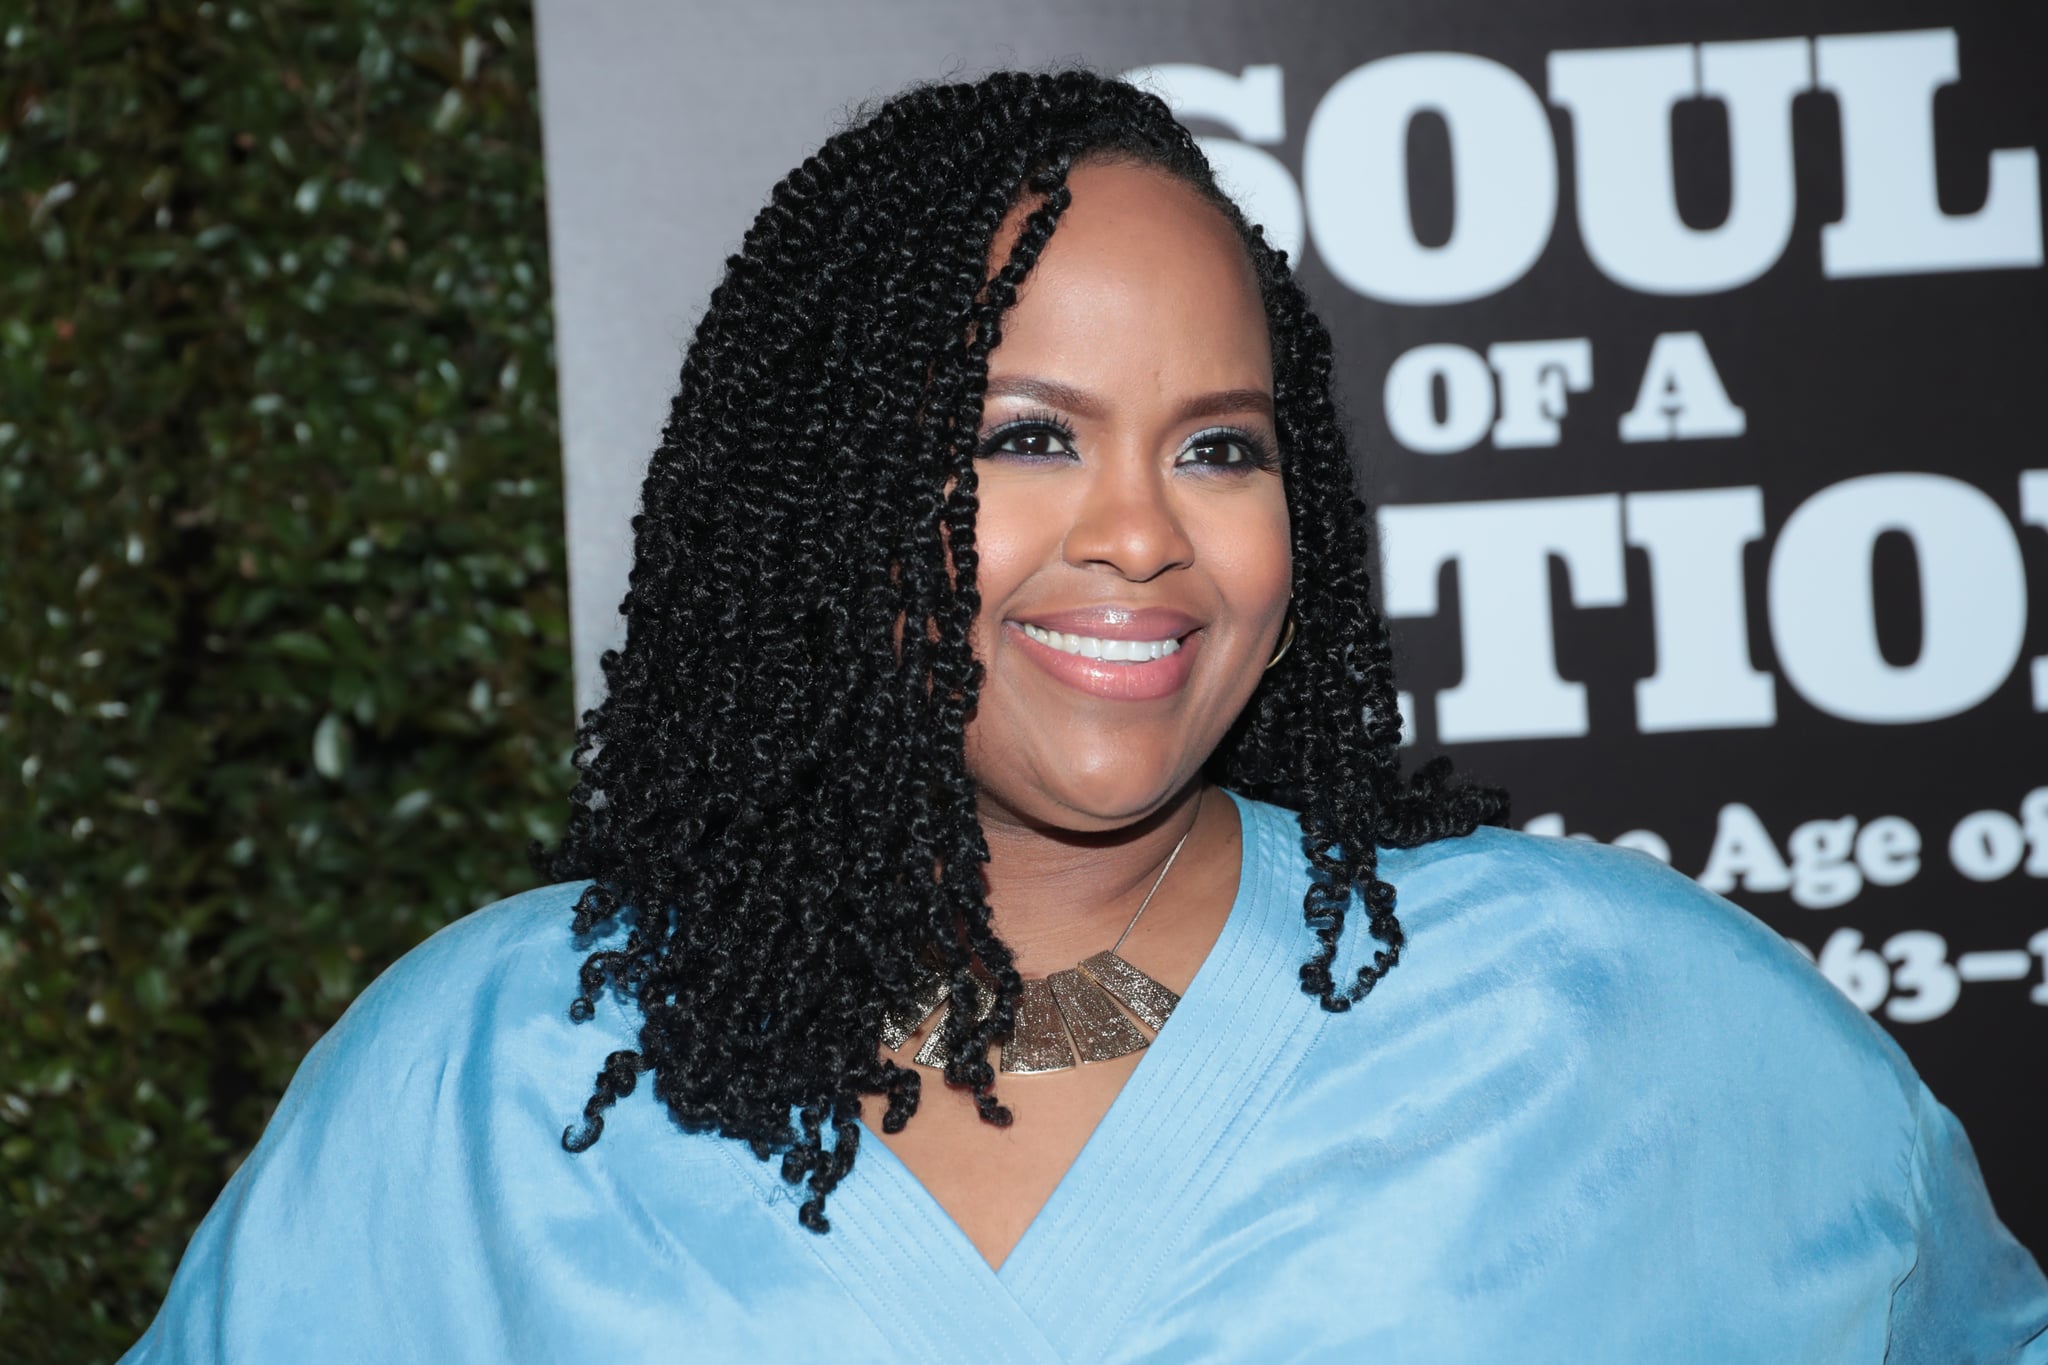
(1619, 900)
(508, 945)
(483, 999)
(1610, 953)
(1635, 940)
(481, 942)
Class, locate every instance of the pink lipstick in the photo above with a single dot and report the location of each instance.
(1115, 653)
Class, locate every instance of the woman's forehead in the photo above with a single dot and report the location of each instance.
(1121, 199)
(1145, 277)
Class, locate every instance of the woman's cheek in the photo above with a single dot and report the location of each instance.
(1014, 534)
(1251, 556)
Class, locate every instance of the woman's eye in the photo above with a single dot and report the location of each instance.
(1037, 443)
(1222, 450)
(1034, 442)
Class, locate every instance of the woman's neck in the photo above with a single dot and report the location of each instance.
(1058, 896)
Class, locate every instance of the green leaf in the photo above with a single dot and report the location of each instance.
(331, 744)
(301, 645)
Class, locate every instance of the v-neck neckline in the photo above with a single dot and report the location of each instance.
(1088, 1255)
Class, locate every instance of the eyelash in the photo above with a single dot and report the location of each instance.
(1258, 451)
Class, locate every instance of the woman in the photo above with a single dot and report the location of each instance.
(1006, 729)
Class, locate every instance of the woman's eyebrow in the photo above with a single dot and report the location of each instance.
(1067, 398)
(1225, 401)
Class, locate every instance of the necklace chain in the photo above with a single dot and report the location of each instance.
(1160, 880)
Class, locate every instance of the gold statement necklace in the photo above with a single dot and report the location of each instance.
(1061, 1016)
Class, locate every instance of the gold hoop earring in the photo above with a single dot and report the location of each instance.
(1286, 641)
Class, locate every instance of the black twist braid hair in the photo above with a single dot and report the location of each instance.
(773, 792)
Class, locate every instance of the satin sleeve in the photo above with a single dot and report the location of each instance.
(383, 1215)
(411, 1201)
(344, 1231)
(1973, 1292)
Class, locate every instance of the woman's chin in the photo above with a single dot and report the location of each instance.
(1097, 802)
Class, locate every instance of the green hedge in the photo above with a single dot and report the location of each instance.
(284, 676)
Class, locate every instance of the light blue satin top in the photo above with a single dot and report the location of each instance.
(1595, 1114)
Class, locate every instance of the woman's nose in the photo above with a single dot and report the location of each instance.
(1125, 522)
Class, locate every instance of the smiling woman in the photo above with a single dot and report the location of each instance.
(1004, 704)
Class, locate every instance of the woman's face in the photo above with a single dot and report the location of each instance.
(1133, 535)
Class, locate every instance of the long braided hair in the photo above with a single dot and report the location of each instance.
(773, 797)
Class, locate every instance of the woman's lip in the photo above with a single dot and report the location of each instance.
(1115, 623)
(1147, 681)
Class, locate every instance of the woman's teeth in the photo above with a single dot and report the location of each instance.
(1088, 647)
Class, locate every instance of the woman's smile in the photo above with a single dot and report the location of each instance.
(1116, 653)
